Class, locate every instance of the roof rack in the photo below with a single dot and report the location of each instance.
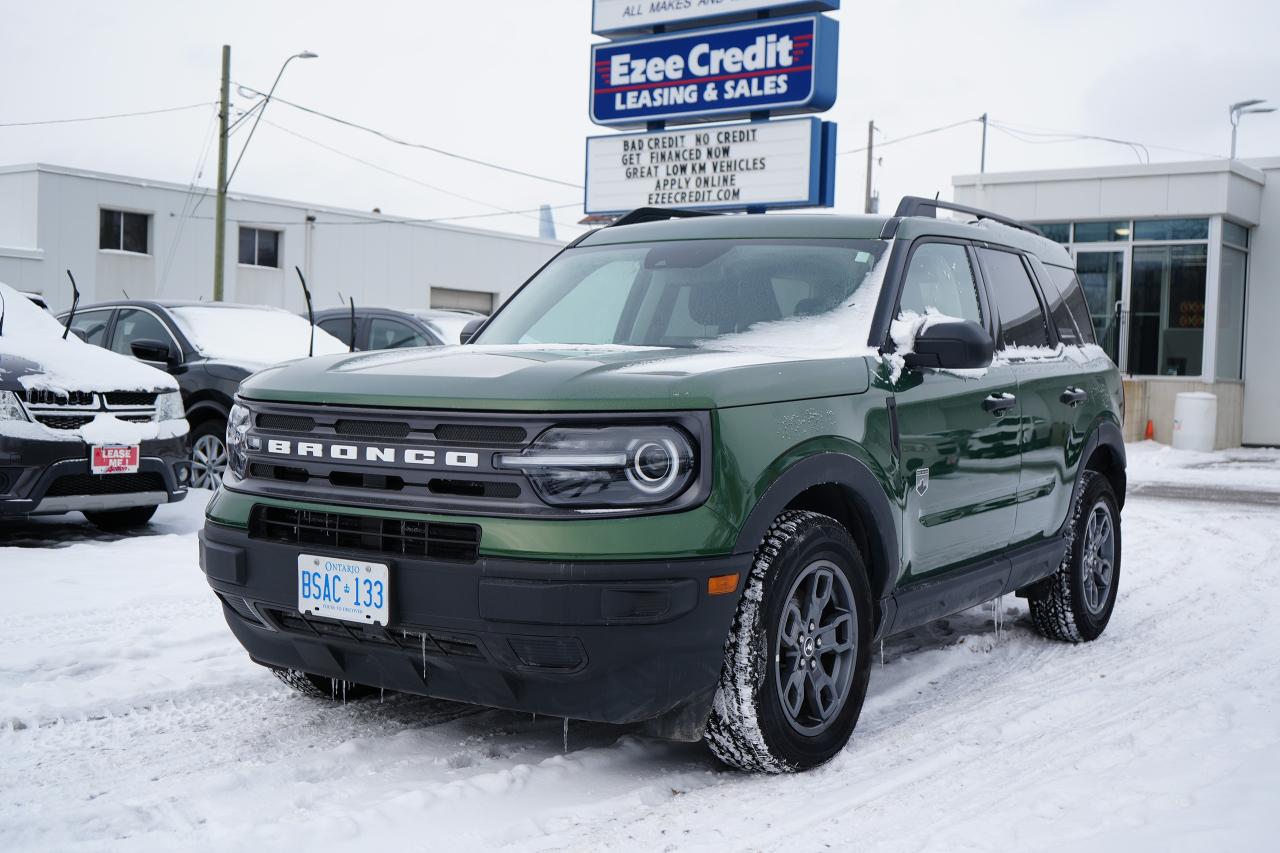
(913, 205)
(658, 214)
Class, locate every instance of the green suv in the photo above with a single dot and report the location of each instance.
(687, 476)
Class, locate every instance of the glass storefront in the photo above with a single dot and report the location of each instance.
(1146, 282)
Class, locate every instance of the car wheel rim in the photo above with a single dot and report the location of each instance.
(817, 648)
(1098, 558)
(208, 461)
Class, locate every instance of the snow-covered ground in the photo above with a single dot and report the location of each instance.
(130, 719)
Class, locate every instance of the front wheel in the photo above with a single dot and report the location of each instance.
(797, 659)
(1074, 604)
(208, 444)
(320, 687)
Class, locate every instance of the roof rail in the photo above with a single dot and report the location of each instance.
(913, 205)
(658, 214)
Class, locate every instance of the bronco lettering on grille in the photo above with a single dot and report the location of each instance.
(371, 453)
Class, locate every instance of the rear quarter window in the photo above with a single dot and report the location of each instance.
(1066, 287)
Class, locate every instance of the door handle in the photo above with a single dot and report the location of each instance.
(1074, 396)
(998, 404)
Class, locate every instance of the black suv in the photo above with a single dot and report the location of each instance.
(209, 347)
(390, 328)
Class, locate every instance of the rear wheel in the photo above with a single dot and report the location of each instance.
(208, 447)
(322, 687)
(121, 519)
(1075, 603)
(797, 659)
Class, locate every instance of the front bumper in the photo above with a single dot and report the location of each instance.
(616, 642)
(44, 477)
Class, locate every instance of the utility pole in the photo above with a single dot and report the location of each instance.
(871, 141)
(982, 164)
(220, 212)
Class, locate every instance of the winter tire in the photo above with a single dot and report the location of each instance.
(207, 445)
(121, 519)
(322, 687)
(1074, 604)
(797, 658)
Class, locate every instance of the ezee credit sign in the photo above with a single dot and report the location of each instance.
(782, 66)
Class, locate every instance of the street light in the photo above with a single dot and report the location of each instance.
(220, 213)
(1244, 108)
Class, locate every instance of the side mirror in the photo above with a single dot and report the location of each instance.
(951, 344)
(469, 330)
(159, 352)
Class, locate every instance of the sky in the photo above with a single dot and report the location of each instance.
(507, 81)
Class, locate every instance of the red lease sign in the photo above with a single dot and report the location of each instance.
(114, 459)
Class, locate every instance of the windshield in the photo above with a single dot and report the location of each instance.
(678, 293)
(251, 335)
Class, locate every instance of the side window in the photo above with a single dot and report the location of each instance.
(1073, 298)
(339, 327)
(135, 325)
(92, 326)
(939, 279)
(1022, 318)
(392, 334)
(1059, 313)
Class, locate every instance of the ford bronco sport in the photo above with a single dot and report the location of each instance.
(687, 476)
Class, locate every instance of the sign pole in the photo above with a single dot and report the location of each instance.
(982, 163)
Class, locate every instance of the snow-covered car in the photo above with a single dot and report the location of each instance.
(393, 328)
(82, 430)
(208, 347)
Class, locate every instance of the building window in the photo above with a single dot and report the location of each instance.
(259, 247)
(1171, 229)
(1231, 288)
(1058, 232)
(468, 300)
(119, 231)
(1236, 235)
(1102, 232)
(1166, 310)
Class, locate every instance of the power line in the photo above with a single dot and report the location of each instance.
(1055, 137)
(1067, 135)
(104, 117)
(501, 211)
(389, 138)
(914, 135)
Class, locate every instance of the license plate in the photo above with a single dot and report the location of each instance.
(340, 588)
(114, 459)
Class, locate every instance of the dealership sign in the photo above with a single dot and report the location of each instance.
(615, 17)
(753, 165)
(780, 66)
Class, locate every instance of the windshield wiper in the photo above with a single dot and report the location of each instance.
(75, 301)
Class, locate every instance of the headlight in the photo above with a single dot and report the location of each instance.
(608, 466)
(237, 428)
(169, 407)
(10, 408)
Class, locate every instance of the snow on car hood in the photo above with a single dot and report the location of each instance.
(252, 336)
(34, 356)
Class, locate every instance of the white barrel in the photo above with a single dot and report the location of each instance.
(1195, 420)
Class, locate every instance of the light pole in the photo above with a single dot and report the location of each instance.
(1244, 108)
(220, 212)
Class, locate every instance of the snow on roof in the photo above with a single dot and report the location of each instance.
(253, 335)
(33, 354)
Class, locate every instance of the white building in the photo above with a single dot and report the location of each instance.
(153, 239)
(1181, 266)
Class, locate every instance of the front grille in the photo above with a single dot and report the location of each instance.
(65, 421)
(372, 429)
(286, 423)
(105, 484)
(479, 434)
(433, 540)
(475, 488)
(130, 398)
(46, 397)
(136, 419)
(428, 642)
(287, 473)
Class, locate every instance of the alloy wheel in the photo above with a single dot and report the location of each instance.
(1098, 558)
(208, 461)
(817, 648)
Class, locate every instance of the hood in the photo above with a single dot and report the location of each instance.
(33, 354)
(550, 378)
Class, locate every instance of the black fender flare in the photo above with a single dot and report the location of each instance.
(870, 499)
(1105, 434)
(206, 408)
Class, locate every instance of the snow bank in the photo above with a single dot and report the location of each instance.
(254, 335)
(33, 353)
